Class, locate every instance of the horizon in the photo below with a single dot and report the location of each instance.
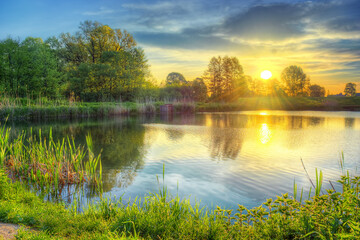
(320, 36)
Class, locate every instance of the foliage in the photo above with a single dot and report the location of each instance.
(175, 78)
(97, 63)
(103, 63)
(295, 81)
(316, 91)
(350, 89)
(334, 215)
(29, 68)
(199, 90)
(225, 78)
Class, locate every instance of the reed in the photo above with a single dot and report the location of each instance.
(333, 215)
(48, 164)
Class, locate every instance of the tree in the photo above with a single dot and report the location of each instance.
(175, 78)
(295, 80)
(199, 89)
(225, 78)
(214, 78)
(317, 91)
(232, 72)
(350, 89)
(104, 63)
(29, 68)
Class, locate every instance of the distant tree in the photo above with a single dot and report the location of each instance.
(175, 78)
(225, 78)
(257, 87)
(273, 88)
(214, 78)
(317, 91)
(295, 80)
(350, 89)
(232, 73)
(199, 90)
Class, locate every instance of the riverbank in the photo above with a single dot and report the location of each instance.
(158, 216)
(284, 103)
(20, 109)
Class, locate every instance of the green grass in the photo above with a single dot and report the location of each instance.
(20, 109)
(46, 164)
(25, 109)
(334, 215)
(283, 103)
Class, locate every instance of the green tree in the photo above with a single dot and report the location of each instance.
(316, 91)
(350, 89)
(214, 78)
(104, 63)
(295, 81)
(29, 68)
(199, 90)
(225, 78)
(175, 78)
(233, 74)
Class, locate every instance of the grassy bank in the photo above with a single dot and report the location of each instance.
(24, 109)
(334, 215)
(284, 103)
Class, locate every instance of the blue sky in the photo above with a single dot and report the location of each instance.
(321, 36)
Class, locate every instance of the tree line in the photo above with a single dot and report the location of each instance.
(99, 63)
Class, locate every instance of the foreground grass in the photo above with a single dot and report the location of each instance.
(333, 215)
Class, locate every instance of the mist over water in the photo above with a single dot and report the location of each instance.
(220, 159)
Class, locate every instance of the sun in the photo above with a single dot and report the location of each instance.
(266, 74)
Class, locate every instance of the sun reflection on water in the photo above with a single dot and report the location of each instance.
(264, 134)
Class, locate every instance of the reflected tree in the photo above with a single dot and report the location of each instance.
(225, 142)
(349, 122)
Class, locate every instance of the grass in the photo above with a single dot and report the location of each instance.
(334, 215)
(25, 109)
(47, 164)
(283, 103)
(20, 109)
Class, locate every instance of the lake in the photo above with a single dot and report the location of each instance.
(220, 159)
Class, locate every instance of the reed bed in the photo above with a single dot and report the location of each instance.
(49, 164)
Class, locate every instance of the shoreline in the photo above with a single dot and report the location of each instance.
(65, 110)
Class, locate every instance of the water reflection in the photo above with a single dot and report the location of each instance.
(264, 134)
(349, 122)
(225, 143)
(223, 159)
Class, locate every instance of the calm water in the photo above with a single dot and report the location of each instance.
(221, 159)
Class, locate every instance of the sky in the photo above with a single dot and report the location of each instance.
(323, 37)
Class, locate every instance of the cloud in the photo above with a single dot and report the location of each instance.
(187, 41)
(272, 22)
(101, 11)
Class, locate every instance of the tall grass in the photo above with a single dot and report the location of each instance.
(48, 164)
(333, 215)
